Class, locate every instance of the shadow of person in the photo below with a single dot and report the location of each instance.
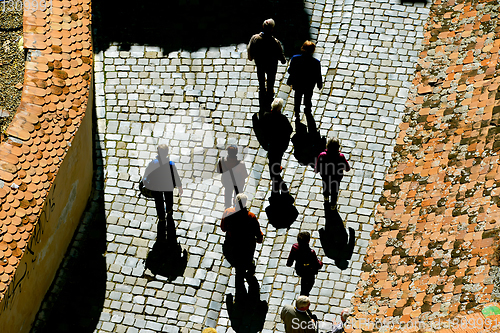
(307, 142)
(247, 312)
(281, 211)
(334, 239)
(167, 258)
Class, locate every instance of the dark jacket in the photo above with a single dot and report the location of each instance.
(239, 171)
(332, 165)
(306, 261)
(265, 50)
(161, 176)
(305, 72)
(276, 131)
(242, 235)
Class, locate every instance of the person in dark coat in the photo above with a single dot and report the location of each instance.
(161, 177)
(331, 165)
(304, 73)
(277, 131)
(242, 235)
(266, 51)
(240, 173)
(307, 263)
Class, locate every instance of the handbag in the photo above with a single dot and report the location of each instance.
(147, 193)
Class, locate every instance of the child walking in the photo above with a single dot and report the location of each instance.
(307, 263)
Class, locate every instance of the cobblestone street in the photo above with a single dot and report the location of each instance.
(199, 102)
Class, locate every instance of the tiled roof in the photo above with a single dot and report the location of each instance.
(54, 99)
(437, 223)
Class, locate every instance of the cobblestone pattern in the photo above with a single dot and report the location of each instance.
(199, 102)
(436, 231)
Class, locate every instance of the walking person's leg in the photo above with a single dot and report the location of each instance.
(160, 212)
(308, 101)
(261, 76)
(239, 283)
(274, 172)
(271, 78)
(326, 189)
(297, 101)
(335, 184)
(311, 123)
(169, 201)
(306, 284)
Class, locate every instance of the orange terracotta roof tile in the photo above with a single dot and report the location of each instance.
(36, 139)
(446, 201)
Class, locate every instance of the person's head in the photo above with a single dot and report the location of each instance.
(209, 330)
(240, 198)
(232, 151)
(303, 238)
(308, 47)
(277, 105)
(302, 303)
(345, 314)
(163, 150)
(268, 25)
(333, 145)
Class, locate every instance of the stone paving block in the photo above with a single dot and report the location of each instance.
(224, 81)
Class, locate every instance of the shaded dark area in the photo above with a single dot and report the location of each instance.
(247, 312)
(307, 143)
(167, 257)
(281, 212)
(334, 239)
(193, 24)
(75, 300)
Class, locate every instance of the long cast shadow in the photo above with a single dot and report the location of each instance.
(336, 243)
(193, 24)
(247, 312)
(75, 300)
(167, 258)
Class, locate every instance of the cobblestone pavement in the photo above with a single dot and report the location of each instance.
(199, 102)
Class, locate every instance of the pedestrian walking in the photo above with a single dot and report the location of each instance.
(331, 165)
(304, 74)
(339, 328)
(242, 235)
(299, 319)
(161, 177)
(266, 51)
(276, 131)
(307, 263)
(229, 165)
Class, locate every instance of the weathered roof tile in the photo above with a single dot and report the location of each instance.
(47, 119)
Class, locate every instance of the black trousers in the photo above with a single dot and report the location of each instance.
(306, 284)
(331, 189)
(266, 92)
(298, 101)
(163, 199)
(277, 183)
